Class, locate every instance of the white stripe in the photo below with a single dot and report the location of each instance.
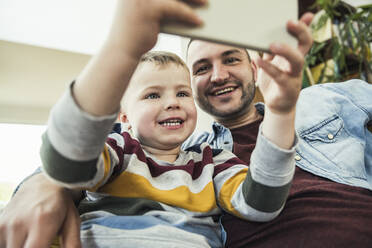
(269, 179)
(118, 138)
(225, 175)
(170, 179)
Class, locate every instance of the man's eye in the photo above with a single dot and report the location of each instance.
(201, 70)
(231, 60)
(183, 94)
(152, 96)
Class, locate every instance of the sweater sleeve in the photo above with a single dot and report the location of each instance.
(73, 150)
(257, 192)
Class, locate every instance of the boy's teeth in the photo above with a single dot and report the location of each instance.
(171, 123)
(223, 91)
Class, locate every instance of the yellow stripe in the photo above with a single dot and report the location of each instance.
(132, 185)
(107, 166)
(228, 190)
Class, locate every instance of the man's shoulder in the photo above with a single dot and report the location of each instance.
(199, 148)
(196, 139)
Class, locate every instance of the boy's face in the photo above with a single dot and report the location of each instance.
(222, 79)
(159, 105)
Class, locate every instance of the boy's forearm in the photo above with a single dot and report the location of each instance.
(73, 144)
(279, 128)
(101, 85)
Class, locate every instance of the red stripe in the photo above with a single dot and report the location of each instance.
(227, 164)
(132, 146)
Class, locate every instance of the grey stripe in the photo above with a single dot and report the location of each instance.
(262, 197)
(119, 206)
(63, 169)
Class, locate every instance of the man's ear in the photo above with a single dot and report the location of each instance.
(254, 69)
(253, 55)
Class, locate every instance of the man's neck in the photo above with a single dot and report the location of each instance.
(243, 120)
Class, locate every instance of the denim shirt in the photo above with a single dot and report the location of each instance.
(331, 121)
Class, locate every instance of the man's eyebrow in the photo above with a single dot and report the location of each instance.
(229, 52)
(224, 54)
(200, 61)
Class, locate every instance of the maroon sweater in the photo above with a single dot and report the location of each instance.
(318, 212)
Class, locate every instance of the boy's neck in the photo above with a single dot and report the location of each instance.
(166, 155)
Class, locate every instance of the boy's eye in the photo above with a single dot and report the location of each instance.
(152, 96)
(183, 94)
(201, 70)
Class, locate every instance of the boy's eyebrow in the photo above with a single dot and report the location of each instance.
(159, 87)
(224, 54)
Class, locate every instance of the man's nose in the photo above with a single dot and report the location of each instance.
(219, 73)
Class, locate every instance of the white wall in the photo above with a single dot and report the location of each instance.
(44, 44)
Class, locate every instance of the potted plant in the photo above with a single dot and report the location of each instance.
(342, 43)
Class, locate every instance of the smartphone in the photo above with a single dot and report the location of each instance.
(252, 24)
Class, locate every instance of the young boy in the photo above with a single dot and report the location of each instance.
(144, 190)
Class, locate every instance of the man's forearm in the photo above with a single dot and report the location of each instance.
(279, 128)
(38, 178)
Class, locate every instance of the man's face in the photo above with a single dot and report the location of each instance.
(222, 79)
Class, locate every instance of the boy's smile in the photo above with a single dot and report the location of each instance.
(172, 123)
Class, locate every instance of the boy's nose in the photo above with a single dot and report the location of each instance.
(219, 73)
(172, 103)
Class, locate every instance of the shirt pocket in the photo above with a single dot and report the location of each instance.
(342, 153)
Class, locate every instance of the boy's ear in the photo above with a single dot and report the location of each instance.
(123, 117)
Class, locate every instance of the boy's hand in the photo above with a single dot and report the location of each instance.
(137, 22)
(280, 77)
(36, 214)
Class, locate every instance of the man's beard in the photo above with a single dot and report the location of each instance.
(246, 99)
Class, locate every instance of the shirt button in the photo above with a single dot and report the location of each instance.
(330, 136)
(297, 158)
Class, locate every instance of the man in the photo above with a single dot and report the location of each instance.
(330, 201)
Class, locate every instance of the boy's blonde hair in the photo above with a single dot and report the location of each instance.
(163, 58)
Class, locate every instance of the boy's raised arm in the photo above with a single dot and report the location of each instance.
(133, 32)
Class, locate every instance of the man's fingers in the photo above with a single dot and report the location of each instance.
(293, 56)
(70, 231)
(44, 231)
(271, 70)
(15, 238)
(307, 18)
(196, 1)
(267, 56)
(40, 238)
(302, 32)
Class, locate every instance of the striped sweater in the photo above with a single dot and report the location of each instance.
(123, 179)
